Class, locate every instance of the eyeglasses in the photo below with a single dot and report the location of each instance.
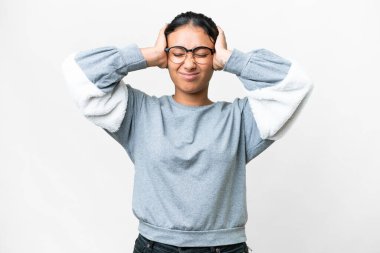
(201, 55)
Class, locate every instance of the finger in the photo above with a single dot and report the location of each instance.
(221, 40)
(161, 40)
(163, 28)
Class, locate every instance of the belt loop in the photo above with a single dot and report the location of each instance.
(150, 244)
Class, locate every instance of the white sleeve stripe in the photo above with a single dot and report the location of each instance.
(106, 110)
(273, 106)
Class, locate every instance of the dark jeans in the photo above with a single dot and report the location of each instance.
(144, 245)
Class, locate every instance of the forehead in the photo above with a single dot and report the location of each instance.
(189, 36)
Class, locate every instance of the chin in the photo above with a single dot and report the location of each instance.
(189, 87)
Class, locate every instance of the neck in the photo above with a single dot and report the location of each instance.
(192, 99)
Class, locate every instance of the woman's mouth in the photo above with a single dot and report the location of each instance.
(189, 76)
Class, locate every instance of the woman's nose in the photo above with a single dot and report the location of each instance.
(189, 62)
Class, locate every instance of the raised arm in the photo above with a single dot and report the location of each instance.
(94, 78)
(277, 89)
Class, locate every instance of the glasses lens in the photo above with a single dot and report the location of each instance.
(202, 55)
(177, 54)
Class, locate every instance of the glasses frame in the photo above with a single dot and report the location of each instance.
(212, 50)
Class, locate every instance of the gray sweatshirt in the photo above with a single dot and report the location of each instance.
(189, 161)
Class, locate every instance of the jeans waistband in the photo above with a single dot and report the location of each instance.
(167, 248)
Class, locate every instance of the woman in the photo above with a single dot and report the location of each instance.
(189, 152)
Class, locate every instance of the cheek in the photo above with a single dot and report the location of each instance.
(208, 71)
(172, 67)
(172, 72)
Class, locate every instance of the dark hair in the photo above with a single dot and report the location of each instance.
(196, 19)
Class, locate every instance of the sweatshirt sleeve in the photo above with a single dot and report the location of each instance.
(94, 78)
(277, 88)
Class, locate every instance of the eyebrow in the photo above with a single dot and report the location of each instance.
(193, 47)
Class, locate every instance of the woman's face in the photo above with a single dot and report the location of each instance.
(190, 37)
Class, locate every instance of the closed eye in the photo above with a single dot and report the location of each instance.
(201, 55)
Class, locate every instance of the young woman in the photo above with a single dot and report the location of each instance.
(189, 153)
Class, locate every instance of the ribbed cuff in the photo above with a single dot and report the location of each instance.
(237, 61)
(133, 57)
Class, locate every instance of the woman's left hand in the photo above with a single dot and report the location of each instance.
(221, 52)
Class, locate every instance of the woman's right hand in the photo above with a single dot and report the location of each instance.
(156, 56)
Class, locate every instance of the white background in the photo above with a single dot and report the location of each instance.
(66, 186)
